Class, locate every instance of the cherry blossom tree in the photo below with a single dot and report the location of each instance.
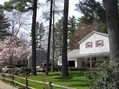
(12, 48)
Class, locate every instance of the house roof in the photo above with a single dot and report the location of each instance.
(90, 34)
(78, 34)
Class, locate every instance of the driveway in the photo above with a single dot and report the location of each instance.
(5, 86)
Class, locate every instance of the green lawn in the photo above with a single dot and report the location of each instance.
(34, 85)
(31, 84)
(75, 80)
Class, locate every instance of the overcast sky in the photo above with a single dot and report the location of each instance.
(71, 7)
(26, 29)
(72, 12)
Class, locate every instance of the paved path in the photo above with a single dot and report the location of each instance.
(5, 86)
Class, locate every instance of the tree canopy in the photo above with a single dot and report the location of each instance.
(20, 5)
(91, 10)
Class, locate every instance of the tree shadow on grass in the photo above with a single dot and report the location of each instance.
(54, 74)
(63, 78)
(72, 74)
(79, 73)
(79, 85)
(76, 81)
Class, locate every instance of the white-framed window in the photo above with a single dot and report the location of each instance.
(99, 43)
(89, 45)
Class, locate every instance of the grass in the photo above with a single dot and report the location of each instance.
(31, 84)
(34, 85)
(75, 80)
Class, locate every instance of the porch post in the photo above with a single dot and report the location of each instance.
(91, 65)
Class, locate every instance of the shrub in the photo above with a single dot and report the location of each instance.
(107, 77)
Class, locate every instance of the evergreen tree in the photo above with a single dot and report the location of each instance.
(58, 37)
(34, 37)
(20, 5)
(93, 14)
(110, 75)
(49, 37)
(91, 10)
(53, 39)
(4, 24)
(111, 7)
(65, 72)
(40, 31)
(72, 25)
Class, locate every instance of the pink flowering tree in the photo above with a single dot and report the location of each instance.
(13, 51)
(11, 48)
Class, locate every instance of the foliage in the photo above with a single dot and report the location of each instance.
(72, 25)
(1, 6)
(4, 24)
(11, 48)
(40, 32)
(91, 10)
(20, 5)
(58, 38)
(58, 31)
(100, 26)
(106, 76)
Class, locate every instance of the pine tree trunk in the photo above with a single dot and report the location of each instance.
(49, 38)
(34, 37)
(53, 44)
(111, 7)
(64, 48)
(113, 26)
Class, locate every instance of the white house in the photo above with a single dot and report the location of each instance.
(92, 48)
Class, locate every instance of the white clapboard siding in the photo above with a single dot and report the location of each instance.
(92, 37)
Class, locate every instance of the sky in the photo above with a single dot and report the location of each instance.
(2, 1)
(26, 30)
(72, 7)
(72, 11)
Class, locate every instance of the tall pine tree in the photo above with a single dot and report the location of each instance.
(65, 72)
(49, 37)
(34, 37)
(4, 24)
(112, 16)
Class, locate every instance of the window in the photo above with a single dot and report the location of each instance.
(89, 45)
(71, 63)
(99, 43)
